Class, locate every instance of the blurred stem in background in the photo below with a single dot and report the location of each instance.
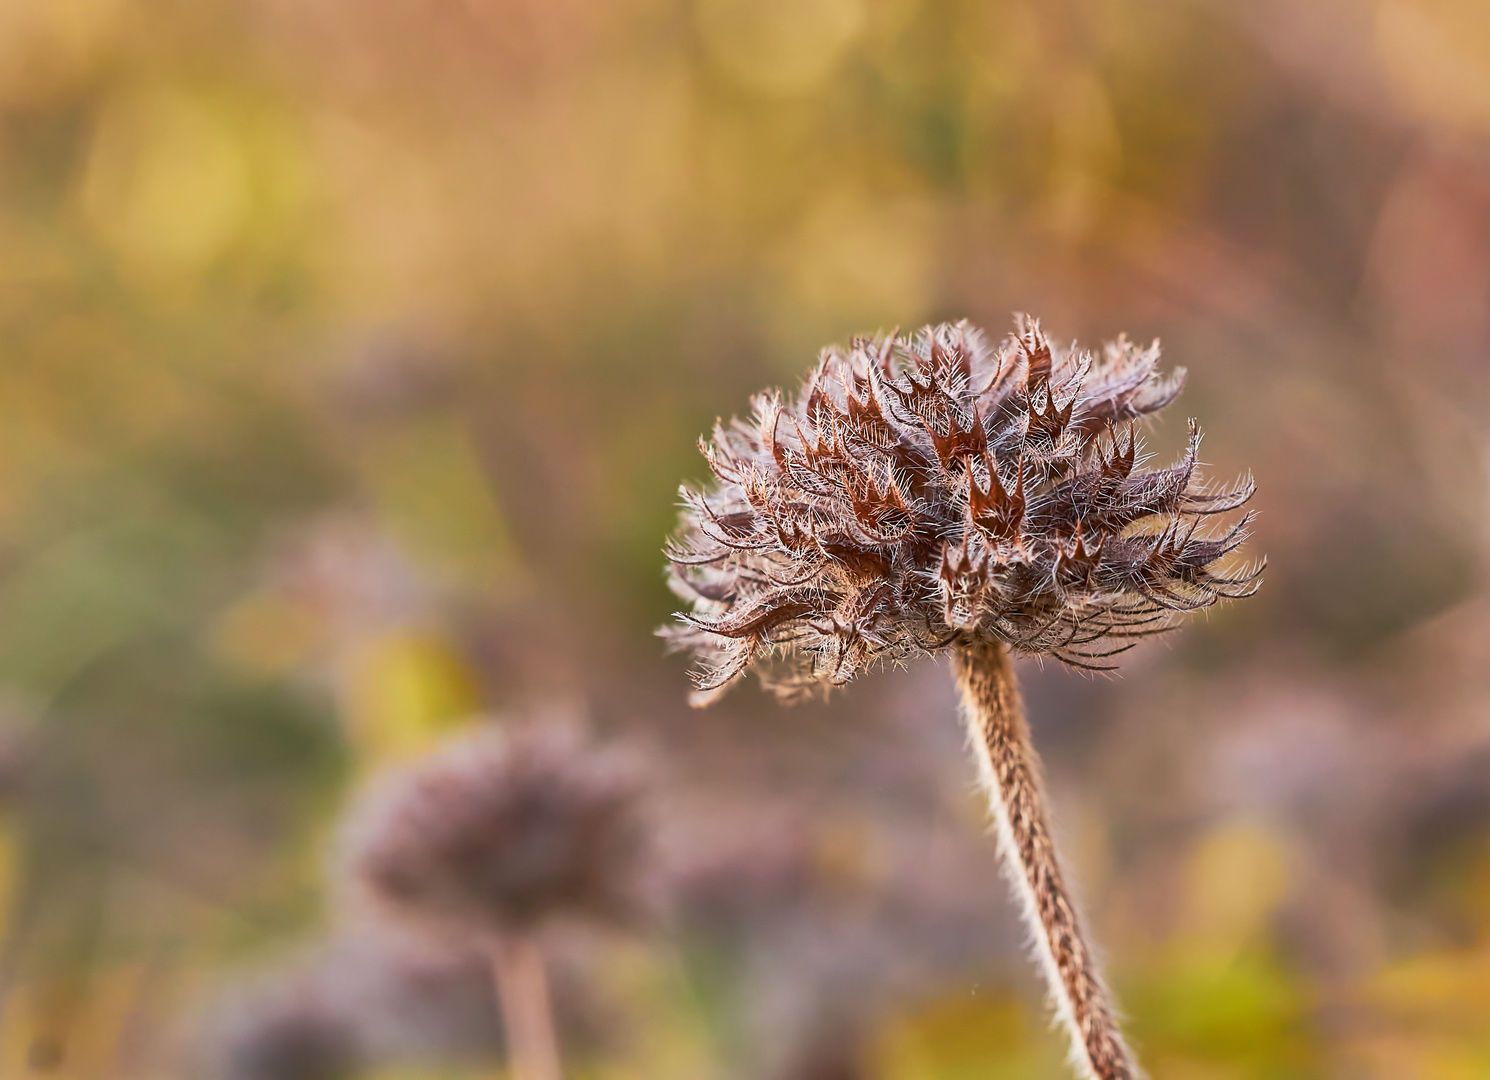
(527, 1006)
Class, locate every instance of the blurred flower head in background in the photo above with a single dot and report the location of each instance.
(503, 829)
(286, 1033)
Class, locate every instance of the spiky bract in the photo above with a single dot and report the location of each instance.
(931, 491)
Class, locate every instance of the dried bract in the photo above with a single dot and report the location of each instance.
(930, 492)
(500, 830)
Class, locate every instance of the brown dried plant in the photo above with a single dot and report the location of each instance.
(496, 834)
(931, 493)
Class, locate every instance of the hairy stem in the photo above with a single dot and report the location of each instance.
(1010, 770)
(527, 1013)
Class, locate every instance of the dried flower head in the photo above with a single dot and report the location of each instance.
(933, 491)
(500, 830)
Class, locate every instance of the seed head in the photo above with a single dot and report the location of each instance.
(501, 830)
(930, 491)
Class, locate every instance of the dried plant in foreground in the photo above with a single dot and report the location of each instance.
(495, 835)
(935, 493)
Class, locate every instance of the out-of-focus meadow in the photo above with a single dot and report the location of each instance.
(351, 352)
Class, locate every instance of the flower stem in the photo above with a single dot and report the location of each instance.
(527, 1012)
(1010, 771)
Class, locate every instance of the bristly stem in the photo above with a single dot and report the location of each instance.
(527, 1011)
(1010, 770)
